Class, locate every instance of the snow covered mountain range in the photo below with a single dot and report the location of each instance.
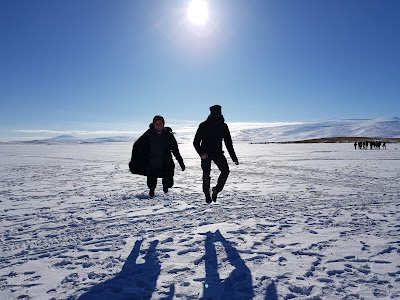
(268, 132)
(376, 128)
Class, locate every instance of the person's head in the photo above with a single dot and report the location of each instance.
(158, 122)
(215, 111)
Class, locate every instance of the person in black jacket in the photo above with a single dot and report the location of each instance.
(208, 144)
(151, 155)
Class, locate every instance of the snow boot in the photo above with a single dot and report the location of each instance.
(214, 194)
(151, 193)
(208, 198)
(165, 189)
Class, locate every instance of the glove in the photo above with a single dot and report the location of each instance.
(204, 155)
(182, 166)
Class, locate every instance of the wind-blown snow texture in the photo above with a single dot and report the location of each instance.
(295, 221)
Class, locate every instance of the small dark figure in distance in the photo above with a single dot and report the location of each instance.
(151, 155)
(208, 144)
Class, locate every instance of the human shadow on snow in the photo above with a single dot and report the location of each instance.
(135, 281)
(239, 283)
(138, 281)
(271, 292)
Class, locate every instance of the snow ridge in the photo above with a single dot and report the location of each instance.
(379, 127)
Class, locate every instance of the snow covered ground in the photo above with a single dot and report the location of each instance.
(319, 221)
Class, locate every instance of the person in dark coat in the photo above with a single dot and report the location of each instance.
(208, 144)
(151, 155)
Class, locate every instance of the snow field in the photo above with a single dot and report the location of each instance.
(316, 221)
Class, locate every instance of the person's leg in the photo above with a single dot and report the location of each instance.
(206, 166)
(222, 165)
(167, 182)
(151, 183)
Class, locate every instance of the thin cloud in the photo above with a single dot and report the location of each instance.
(77, 132)
(183, 127)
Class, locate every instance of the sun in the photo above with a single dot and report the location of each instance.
(197, 12)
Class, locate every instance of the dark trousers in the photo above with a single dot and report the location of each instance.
(167, 181)
(222, 165)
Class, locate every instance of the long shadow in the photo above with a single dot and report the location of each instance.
(271, 292)
(135, 281)
(239, 283)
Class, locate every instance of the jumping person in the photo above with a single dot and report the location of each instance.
(208, 144)
(151, 155)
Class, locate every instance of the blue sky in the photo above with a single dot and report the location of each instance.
(112, 65)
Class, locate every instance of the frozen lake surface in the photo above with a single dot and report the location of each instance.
(318, 221)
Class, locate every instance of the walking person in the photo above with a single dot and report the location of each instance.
(208, 144)
(151, 155)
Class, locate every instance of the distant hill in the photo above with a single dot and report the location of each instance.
(324, 131)
(378, 128)
(340, 139)
(69, 139)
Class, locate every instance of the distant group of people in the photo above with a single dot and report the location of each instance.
(370, 144)
(151, 153)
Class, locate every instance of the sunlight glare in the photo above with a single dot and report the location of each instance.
(197, 12)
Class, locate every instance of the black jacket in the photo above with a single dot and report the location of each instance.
(209, 136)
(140, 159)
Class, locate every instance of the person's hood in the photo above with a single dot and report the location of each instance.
(215, 120)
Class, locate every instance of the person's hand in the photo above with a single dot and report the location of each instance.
(183, 166)
(204, 156)
(236, 162)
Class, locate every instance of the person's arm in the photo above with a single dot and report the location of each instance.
(229, 145)
(139, 157)
(138, 144)
(197, 141)
(175, 151)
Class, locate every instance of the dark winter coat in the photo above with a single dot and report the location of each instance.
(142, 161)
(209, 136)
